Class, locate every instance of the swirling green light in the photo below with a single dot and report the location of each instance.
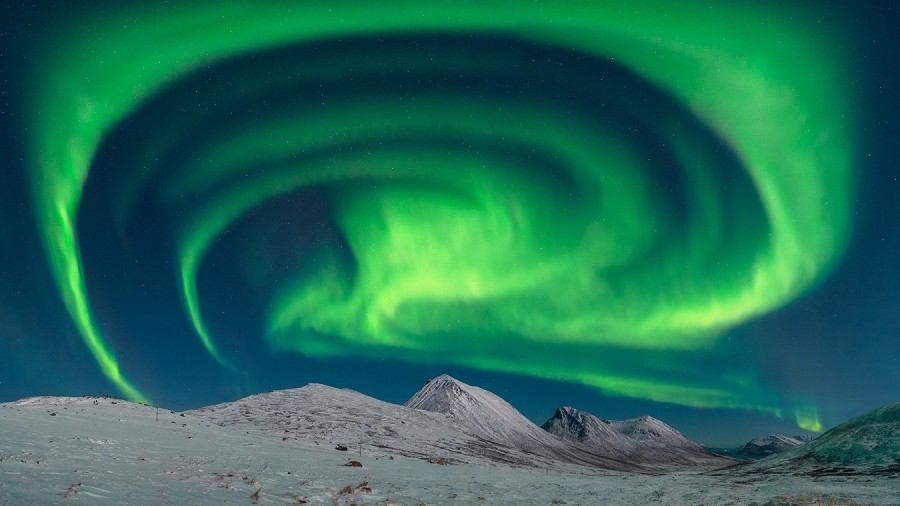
(493, 259)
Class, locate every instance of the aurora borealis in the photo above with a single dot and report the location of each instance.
(626, 199)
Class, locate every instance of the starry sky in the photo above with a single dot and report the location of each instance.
(668, 208)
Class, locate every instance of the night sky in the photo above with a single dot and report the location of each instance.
(676, 209)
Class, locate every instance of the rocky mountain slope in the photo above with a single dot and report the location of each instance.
(335, 417)
(448, 421)
(868, 444)
(495, 423)
(645, 441)
(769, 445)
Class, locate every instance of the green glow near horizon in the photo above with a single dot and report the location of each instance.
(493, 259)
(807, 417)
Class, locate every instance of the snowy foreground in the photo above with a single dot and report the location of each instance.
(106, 451)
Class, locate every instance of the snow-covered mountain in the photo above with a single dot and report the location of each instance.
(450, 421)
(769, 445)
(333, 418)
(480, 413)
(868, 444)
(341, 417)
(496, 424)
(588, 430)
(645, 441)
(93, 450)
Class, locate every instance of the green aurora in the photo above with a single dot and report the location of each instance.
(505, 231)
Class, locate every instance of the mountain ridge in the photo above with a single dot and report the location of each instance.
(446, 420)
(491, 419)
(644, 440)
(866, 445)
(103, 450)
(769, 445)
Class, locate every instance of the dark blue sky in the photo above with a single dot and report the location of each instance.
(836, 345)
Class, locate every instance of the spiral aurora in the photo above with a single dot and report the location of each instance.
(682, 175)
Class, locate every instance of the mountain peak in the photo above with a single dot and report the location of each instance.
(567, 411)
(444, 378)
(644, 440)
(579, 426)
(445, 394)
(646, 428)
(767, 445)
(491, 419)
(478, 411)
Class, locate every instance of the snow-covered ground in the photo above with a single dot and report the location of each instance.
(106, 451)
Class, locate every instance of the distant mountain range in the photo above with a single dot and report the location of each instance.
(645, 440)
(768, 445)
(448, 420)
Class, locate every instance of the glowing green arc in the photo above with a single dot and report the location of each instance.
(780, 119)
